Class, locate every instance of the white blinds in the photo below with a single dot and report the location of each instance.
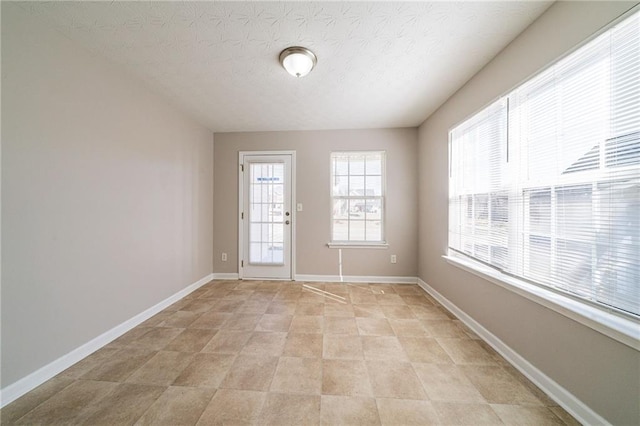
(545, 183)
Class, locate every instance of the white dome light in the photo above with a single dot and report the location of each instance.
(298, 61)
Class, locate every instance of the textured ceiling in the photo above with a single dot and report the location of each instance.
(379, 64)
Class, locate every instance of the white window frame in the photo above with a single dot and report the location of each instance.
(622, 328)
(356, 243)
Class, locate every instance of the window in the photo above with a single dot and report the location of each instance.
(545, 183)
(357, 197)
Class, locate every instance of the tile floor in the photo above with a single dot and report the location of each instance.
(283, 353)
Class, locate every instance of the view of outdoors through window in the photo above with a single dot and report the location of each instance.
(545, 183)
(266, 213)
(357, 196)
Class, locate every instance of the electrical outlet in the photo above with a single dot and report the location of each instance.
(224, 257)
(393, 258)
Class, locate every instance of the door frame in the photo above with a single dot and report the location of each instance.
(241, 236)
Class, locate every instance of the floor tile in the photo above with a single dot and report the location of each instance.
(466, 351)
(362, 297)
(443, 328)
(339, 346)
(177, 405)
(124, 405)
(92, 361)
(497, 386)
(67, 405)
(120, 366)
(345, 377)
(383, 288)
(338, 310)
(415, 300)
(227, 342)
(282, 307)
(397, 312)
(257, 306)
(227, 305)
(564, 416)
(18, 408)
(156, 339)
(368, 310)
(263, 343)
(132, 336)
(205, 370)
(307, 324)
(427, 312)
(180, 319)
(309, 309)
(382, 348)
(250, 372)
(298, 375)
(518, 415)
(284, 409)
(233, 407)
(340, 325)
(406, 412)
(340, 289)
(270, 322)
(393, 379)
(408, 290)
(466, 414)
(211, 320)
(408, 328)
(303, 345)
(310, 296)
(162, 369)
(191, 340)
(348, 410)
(447, 382)
(199, 306)
(424, 349)
(389, 299)
(374, 327)
(242, 322)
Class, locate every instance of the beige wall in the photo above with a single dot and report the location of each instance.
(601, 372)
(313, 150)
(106, 197)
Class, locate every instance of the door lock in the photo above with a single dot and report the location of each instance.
(286, 222)
(286, 214)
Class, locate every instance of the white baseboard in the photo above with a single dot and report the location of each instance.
(356, 279)
(225, 276)
(563, 397)
(35, 379)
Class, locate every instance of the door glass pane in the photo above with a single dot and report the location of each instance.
(266, 213)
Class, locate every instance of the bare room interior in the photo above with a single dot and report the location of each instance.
(320, 213)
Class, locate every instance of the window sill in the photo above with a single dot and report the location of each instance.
(358, 245)
(621, 329)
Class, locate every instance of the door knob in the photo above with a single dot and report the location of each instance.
(286, 214)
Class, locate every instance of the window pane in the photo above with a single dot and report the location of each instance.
(357, 188)
(356, 230)
(374, 231)
(374, 164)
(340, 230)
(374, 186)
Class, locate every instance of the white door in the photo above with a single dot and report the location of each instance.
(266, 217)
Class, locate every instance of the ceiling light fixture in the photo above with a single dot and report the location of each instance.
(298, 61)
